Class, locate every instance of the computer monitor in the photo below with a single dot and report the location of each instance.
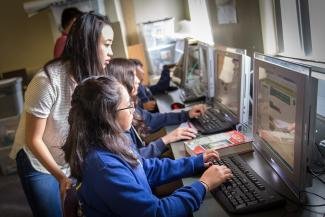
(283, 118)
(318, 73)
(198, 68)
(232, 81)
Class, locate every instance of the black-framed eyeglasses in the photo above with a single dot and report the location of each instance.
(131, 107)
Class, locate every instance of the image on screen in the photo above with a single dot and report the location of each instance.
(228, 82)
(196, 72)
(276, 114)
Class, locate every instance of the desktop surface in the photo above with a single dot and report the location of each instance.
(210, 207)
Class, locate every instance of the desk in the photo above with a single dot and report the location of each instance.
(211, 207)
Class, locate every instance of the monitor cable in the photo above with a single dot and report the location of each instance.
(302, 205)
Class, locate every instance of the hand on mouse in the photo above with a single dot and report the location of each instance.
(179, 134)
(197, 110)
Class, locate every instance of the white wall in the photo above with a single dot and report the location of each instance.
(268, 28)
(115, 15)
(290, 27)
(317, 18)
(200, 21)
(292, 44)
(245, 34)
(149, 10)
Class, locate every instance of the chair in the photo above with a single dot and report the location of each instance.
(17, 73)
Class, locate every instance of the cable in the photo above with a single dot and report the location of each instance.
(318, 168)
(301, 205)
(312, 193)
(317, 146)
(317, 175)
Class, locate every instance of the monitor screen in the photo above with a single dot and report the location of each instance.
(276, 113)
(228, 80)
(282, 114)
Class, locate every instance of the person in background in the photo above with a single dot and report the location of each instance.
(114, 179)
(145, 122)
(68, 17)
(43, 125)
(145, 94)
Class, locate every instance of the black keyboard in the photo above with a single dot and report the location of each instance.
(190, 99)
(189, 96)
(213, 121)
(246, 191)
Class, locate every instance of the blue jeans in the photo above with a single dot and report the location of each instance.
(41, 189)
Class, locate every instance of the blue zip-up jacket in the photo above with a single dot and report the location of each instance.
(144, 95)
(155, 121)
(111, 187)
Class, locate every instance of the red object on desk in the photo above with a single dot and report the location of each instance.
(177, 105)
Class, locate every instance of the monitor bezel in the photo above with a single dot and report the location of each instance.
(297, 178)
(190, 46)
(210, 52)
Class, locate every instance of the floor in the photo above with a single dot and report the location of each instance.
(13, 202)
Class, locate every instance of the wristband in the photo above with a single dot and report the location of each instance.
(205, 185)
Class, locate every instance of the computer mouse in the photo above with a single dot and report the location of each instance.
(177, 105)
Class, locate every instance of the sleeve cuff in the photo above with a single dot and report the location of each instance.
(185, 116)
(199, 163)
(160, 144)
(198, 186)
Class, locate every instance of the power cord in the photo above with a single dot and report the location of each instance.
(317, 176)
(318, 168)
(305, 206)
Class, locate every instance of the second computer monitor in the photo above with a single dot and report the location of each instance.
(232, 82)
(198, 68)
(283, 112)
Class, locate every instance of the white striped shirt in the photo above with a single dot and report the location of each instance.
(50, 99)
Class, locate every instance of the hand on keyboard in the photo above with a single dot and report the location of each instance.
(210, 156)
(215, 175)
(197, 110)
(246, 191)
(213, 121)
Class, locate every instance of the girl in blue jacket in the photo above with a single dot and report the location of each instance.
(115, 180)
(146, 122)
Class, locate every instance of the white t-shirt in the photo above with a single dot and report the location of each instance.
(51, 99)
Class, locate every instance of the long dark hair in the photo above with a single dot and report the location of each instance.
(123, 70)
(92, 121)
(81, 48)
